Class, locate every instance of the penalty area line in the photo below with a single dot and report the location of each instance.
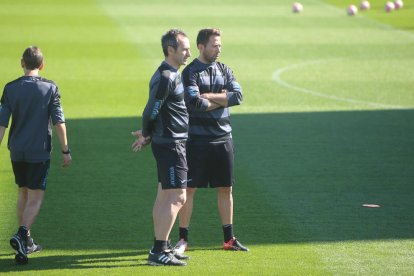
(277, 77)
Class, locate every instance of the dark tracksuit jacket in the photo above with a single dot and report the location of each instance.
(165, 116)
(34, 105)
(198, 78)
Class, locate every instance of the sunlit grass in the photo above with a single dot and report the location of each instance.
(305, 164)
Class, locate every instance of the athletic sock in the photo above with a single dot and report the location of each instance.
(184, 233)
(228, 232)
(159, 246)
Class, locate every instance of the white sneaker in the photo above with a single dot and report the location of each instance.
(32, 246)
(181, 246)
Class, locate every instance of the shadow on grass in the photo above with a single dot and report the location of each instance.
(300, 177)
(305, 176)
(73, 261)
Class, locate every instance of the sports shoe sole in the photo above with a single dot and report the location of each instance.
(21, 257)
(158, 264)
(154, 264)
(181, 256)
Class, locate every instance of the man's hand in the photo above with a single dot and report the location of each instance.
(212, 96)
(141, 142)
(218, 98)
(67, 160)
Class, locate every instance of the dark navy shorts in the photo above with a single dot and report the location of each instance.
(210, 165)
(171, 164)
(31, 175)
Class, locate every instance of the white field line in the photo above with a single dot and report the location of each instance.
(276, 76)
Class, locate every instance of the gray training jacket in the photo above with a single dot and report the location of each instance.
(34, 105)
(165, 116)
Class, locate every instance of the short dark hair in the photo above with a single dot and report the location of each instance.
(170, 39)
(32, 58)
(204, 35)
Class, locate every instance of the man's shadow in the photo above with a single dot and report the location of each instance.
(81, 261)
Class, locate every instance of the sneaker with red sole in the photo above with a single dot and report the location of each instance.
(234, 245)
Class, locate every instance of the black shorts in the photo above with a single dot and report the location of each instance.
(171, 164)
(210, 165)
(31, 175)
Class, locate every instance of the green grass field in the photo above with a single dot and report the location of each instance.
(326, 126)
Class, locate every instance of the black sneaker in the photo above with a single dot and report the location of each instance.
(164, 258)
(32, 246)
(19, 244)
(235, 245)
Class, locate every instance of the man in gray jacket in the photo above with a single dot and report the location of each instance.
(165, 126)
(34, 104)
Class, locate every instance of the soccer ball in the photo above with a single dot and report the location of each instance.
(297, 7)
(352, 10)
(398, 4)
(389, 6)
(365, 5)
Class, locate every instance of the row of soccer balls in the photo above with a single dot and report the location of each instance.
(388, 7)
(352, 9)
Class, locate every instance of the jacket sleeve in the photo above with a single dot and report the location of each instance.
(5, 110)
(234, 90)
(159, 91)
(192, 97)
(55, 107)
